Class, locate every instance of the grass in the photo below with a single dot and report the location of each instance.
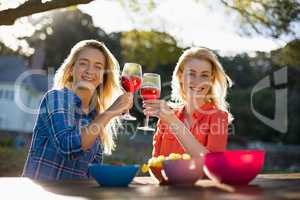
(12, 161)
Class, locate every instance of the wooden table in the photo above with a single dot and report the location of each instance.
(267, 186)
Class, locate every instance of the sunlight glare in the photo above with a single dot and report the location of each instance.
(24, 188)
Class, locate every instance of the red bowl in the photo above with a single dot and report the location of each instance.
(183, 172)
(235, 167)
(157, 174)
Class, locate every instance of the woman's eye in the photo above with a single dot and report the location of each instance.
(98, 67)
(82, 63)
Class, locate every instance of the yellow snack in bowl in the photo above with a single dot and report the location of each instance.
(150, 161)
(174, 156)
(161, 158)
(158, 161)
(186, 156)
(145, 168)
(155, 162)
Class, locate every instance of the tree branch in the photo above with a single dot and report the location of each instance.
(247, 15)
(8, 16)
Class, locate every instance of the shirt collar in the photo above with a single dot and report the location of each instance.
(76, 97)
(203, 110)
(78, 103)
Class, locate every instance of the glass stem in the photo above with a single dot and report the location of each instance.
(147, 121)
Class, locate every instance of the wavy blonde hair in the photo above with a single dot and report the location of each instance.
(220, 80)
(105, 94)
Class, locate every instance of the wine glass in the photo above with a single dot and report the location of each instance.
(151, 87)
(131, 82)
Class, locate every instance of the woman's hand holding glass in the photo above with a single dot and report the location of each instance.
(151, 86)
(122, 104)
(160, 109)
(131, 82)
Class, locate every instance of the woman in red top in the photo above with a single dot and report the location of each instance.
(198, 123)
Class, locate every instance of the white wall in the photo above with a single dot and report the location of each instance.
(13, 116)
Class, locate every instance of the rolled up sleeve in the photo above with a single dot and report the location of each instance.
(64, 131)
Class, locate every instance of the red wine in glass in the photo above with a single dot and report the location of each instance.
(150, 93)
(131, 83)
(150, 90)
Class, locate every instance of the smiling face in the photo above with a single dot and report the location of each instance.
(88, 70)
(196, 79)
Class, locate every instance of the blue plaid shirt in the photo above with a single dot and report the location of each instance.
(55, 152)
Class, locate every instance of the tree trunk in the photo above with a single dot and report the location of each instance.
(8, 16)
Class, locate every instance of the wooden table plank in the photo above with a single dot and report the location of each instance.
(269, 186)
(289, 176)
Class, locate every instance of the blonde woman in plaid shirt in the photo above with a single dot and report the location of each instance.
(76, 118)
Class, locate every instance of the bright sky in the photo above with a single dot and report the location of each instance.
(189, 22)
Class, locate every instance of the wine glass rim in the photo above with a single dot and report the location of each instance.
(152, 74)
(131, 63)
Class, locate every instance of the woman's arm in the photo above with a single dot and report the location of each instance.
(68, 138)
(59, 109)
(89, 133)
(186, 138)
(97, 127)
(160, 109)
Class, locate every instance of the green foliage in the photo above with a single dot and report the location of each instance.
(7, 142)
(242, 69)
(288, 55)
(61, 30)
(12, 161)
(270, 17)
(273, 17)
(149, 48)
(246, 124)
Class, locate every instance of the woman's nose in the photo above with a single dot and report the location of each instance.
(89, 69)
(200, 82)
(196, 81)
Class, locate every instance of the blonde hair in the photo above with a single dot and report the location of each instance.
(220, 80)
(106, 93)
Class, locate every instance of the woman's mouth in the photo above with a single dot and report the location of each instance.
(198, 90)
(87, 78)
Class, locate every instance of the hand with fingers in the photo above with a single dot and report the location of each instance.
(159, 108)
(122, 104)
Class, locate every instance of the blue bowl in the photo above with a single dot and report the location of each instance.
(113, 175)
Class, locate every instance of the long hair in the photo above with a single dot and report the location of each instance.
(220, 80)
(105, 94)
